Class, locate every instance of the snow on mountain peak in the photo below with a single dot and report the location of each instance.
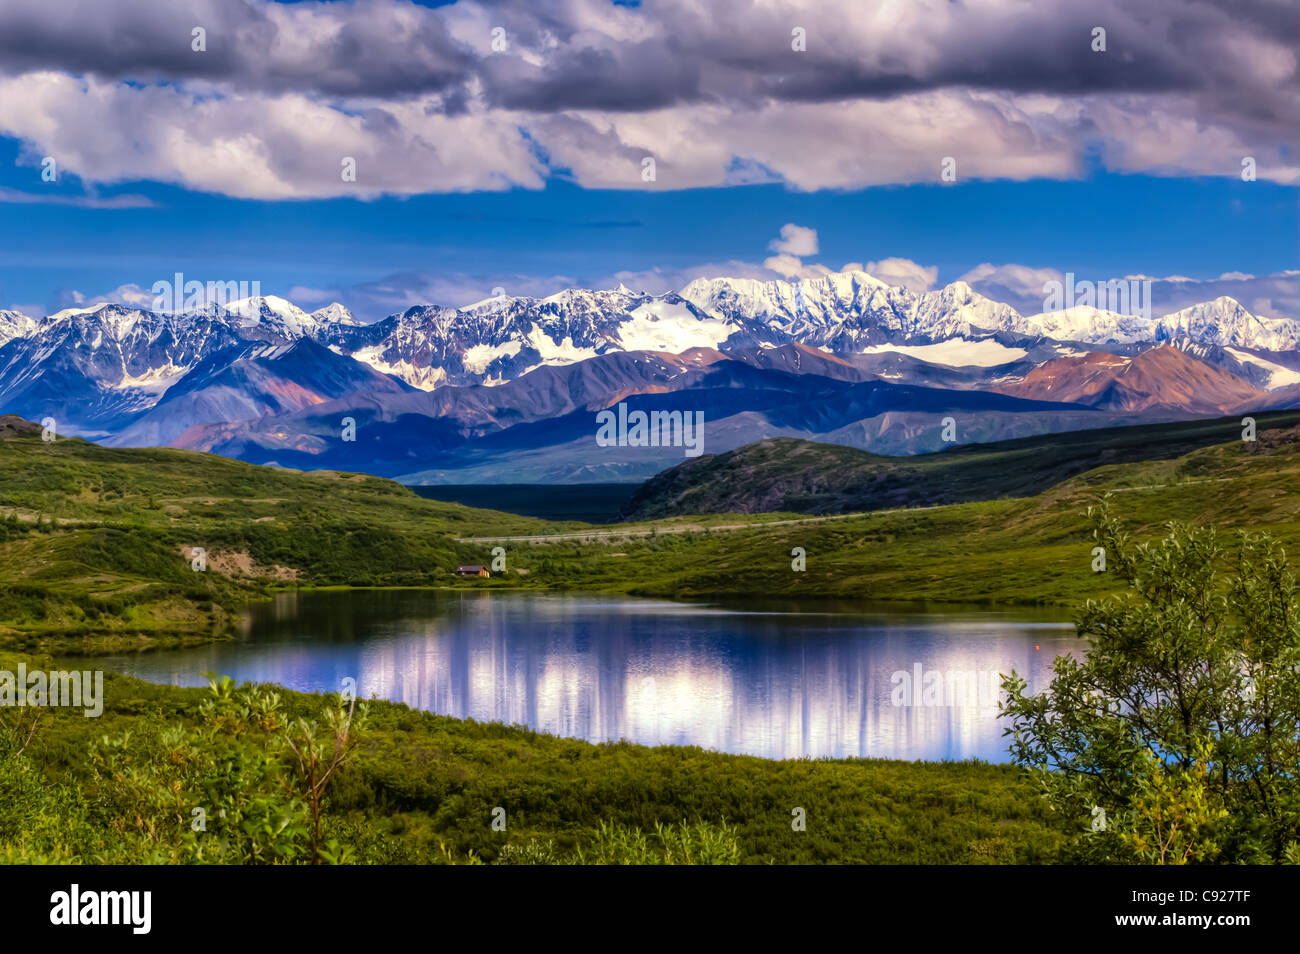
(248, 307)
(502, 337)
(14, 324)
(73, 312)
(1224, 321)
(487, 305)
(1088, 324)
(279, 313)
(664, 326)
(334, 313)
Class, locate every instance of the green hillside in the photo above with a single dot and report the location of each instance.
(92, 556)
(786, 474)
(95, 542)
(1029, 550)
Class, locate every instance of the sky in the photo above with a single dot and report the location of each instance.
(506, 145)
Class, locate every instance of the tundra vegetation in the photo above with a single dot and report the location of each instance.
(1181, 726)
(96, 542)
(1180, 732)
(1176, 739)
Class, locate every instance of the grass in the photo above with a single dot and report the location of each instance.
(95, 542)
(93, 553)
(1033, 550)
(808, 477)
(422, 788)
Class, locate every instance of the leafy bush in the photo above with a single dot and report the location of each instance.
(1177, 739)
(682, 844)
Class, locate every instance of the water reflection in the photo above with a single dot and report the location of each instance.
(773, 680)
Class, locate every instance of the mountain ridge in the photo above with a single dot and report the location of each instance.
(482, 381)
(806, 477)
(500, 338)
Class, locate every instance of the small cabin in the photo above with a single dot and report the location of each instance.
(472, 571)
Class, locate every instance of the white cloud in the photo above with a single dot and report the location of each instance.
(794, 243)
(796, 240)
(902, 271)
(588, 89)
(18, 197)
(656, 281)
(34, 310)
(261, 147)
(301, 293)
(128, 294)
(1022, 287)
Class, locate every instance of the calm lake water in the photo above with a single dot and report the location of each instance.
(782, 680)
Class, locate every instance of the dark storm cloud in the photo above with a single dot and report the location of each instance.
(588, 88)
(332, 49)
(682, 51)
(632, 78)
(1237, 60)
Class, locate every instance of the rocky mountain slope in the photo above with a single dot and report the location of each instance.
(469, 393)
(1163, 377)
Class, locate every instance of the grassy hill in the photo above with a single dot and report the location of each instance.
(790, 475)
(95, 542)
(93, 553)
(1035, 549)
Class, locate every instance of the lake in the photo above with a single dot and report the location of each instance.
(779, 679)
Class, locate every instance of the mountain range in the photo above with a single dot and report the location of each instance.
(506, 389)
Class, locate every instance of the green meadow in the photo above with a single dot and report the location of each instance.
(96, 544)
(420, 788)
(96, 547)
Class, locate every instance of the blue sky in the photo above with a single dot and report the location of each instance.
(470, 178)
(1106, 225)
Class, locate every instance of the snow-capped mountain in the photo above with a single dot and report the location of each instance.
(249, 381)
(87, 367)
(499, 339)
(14, 324)
(849, 310)
(1086, 324)
(1225, 322)
(95, 368)
(268, 316)
(334, 314)
(1220, 322)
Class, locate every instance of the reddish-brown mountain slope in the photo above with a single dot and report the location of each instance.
(1163, 377)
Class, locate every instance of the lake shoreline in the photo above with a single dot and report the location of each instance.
(102, 643)
(769, 678)
(422, 787)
